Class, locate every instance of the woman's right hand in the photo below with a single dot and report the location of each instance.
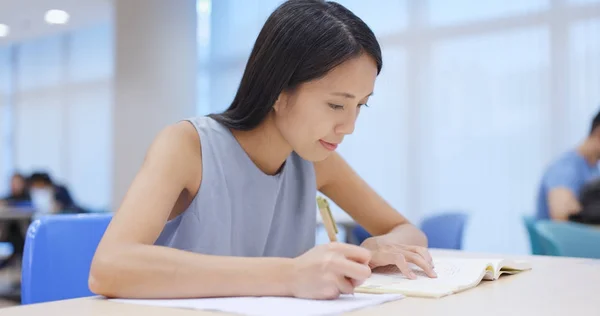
(328, 270)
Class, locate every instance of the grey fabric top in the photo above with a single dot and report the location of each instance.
(241, 211)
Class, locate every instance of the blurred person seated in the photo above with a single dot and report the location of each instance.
(564, 179)
(11, 231)
(19, 192)
(50, 197)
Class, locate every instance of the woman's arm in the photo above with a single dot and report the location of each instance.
(339, 182)
(127, 264)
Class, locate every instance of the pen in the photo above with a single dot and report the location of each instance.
(327, 217)
(328, 220)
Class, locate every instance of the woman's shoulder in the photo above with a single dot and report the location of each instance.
(180, 136)
(176, 150)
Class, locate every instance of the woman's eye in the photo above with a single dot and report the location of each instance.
(364, 104)
(336, 106)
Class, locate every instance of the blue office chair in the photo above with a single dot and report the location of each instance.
(445, 230)
(568, 239)
(534, 238)
(360, 234)
(58, 254)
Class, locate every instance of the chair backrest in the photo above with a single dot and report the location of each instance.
(569, 239)
(445, 230)
(58, 254)
(534, 239)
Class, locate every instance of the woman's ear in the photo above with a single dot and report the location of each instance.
(280, 103)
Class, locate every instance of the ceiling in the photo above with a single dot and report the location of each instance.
(26, 17)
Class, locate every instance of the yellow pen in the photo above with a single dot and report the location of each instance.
(327, 217)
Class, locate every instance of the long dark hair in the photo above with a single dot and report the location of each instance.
(301, 41)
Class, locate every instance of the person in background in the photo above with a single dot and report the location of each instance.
(11, 231)
(19, 191)
(51, 197)
(564, 178)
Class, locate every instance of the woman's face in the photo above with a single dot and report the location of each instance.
(17, 185)
(315, 117)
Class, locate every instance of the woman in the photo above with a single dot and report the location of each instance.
(225, 205)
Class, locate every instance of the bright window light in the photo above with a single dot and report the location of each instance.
(203, 6)
(56, 17)
(4, 30)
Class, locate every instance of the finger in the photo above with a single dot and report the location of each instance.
(352, 269)
(424, 253)
(402, 265)
(352, 252)
(344, 285)
(422, 263)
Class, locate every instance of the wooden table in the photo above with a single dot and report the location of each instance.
(555, 286)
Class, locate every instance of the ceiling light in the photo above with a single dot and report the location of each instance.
(4, 30)
(56, 17)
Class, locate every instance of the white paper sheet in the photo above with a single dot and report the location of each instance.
(268, 306)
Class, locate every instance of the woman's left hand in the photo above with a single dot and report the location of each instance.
(385, 250)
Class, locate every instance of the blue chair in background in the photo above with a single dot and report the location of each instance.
(534, 238)
(360, 234)
(568, 239)
(445, 231)
(58, 254)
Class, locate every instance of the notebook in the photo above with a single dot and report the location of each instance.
(454, 275)
(273, 305)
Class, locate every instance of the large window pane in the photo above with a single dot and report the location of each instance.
(91, 53)
(388, 16)
(236, 24)
(89, 141)
(484, 127)
(40, 63)
(584, 79)
(39, 107)
(39, 142)
(444, 12)
(223, 87)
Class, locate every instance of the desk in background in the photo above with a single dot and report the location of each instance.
(16, 213)
(555, 286)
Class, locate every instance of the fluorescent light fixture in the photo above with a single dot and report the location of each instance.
(56, 17)
(4, 30)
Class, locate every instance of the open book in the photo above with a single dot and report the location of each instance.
(454, 275)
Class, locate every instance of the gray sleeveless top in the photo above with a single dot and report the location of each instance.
(241, 211)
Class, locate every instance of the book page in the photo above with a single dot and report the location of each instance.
(453, 275)
(506, 267)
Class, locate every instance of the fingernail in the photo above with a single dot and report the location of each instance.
(413, 276)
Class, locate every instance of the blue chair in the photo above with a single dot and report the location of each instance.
(534, 238)
(568, 239)
(445, 231)
(360, 234)
(58, 254)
